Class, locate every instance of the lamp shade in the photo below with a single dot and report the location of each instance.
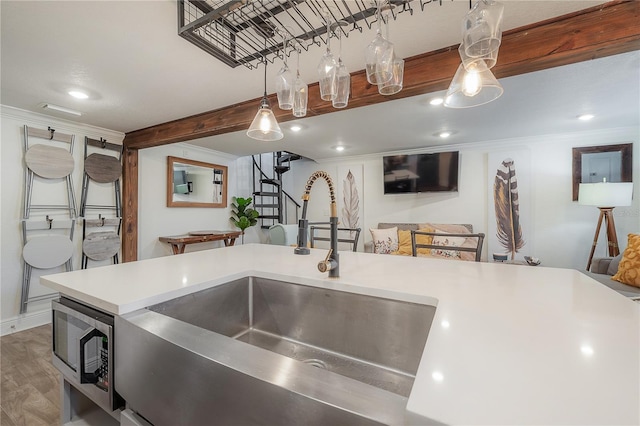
(605, 194)
(264, 126)
(474, 87)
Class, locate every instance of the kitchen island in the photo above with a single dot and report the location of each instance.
(508, 344)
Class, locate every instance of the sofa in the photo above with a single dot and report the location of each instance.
(405, 242)
(603, 268)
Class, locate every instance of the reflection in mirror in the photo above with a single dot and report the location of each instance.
(592, 164)
(193, 183)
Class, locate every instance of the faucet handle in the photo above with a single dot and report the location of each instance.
(327, 264)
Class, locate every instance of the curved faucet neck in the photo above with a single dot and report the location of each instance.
(307, 190)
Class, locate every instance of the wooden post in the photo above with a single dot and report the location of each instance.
(130, 205)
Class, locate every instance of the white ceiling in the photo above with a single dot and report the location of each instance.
(139, 72)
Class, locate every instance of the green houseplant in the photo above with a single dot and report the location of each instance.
(242, 215)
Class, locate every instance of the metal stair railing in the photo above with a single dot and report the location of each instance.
(282, 199)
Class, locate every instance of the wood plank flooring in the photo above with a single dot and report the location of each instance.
(30, 388)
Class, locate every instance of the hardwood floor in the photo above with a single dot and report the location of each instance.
(30, 389)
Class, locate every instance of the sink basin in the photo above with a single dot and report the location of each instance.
(327, 355)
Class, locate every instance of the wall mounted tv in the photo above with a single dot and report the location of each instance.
(413, 173)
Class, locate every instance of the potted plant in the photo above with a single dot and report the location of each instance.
(242, 215)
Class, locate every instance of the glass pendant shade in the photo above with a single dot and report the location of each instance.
(378, 60)
(264, 126)
(342, 86)
(300, 97)
(474, 87)
(481, 28)
(285, 82)
(394, 85)
(327, 75)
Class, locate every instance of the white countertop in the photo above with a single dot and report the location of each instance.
(509, 344)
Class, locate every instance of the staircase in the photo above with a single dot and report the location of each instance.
(273, 203)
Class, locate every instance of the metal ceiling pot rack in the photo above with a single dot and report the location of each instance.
(234, 31)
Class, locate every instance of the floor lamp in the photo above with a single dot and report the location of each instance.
(605, 196)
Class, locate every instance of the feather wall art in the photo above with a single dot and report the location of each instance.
(351, 202)
(505, 196)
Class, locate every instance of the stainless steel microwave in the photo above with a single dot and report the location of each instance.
(83, 350)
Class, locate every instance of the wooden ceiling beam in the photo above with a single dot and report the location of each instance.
(608, 29)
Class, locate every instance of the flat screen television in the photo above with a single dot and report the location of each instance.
(437, 172)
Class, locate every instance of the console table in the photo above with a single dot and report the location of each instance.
(179, 242)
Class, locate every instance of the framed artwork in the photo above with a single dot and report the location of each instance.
(509, 192)
(350, 197)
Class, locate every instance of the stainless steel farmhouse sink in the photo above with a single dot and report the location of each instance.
(260, 351)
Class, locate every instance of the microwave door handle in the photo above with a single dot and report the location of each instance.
(86, 377)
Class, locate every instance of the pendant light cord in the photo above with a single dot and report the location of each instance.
(265, 78)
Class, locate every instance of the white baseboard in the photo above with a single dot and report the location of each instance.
(25, 322)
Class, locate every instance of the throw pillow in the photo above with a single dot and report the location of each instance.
(404, 242)
(441, 240)
(629, 268)
(385, 241)
(614, 265)
(450, 228)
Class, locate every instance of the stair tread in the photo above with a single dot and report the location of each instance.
(266, 193)
(271, 181)
(269, 216)
(270, 206)
(288, 157)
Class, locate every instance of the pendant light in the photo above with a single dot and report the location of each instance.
(474, 84)
(264, 126)
(472, 87)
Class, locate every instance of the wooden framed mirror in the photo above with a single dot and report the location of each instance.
(193, 183)
(593, 163)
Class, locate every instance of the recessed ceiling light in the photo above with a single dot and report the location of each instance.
(339, 148)
(586, 350)
(61, 109)
(444, 134)
(295, 128)
(78, 95)
(436, 101)
(585, 117)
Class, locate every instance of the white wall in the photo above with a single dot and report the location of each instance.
(13, 121)
(155, 219)
(563, 230)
